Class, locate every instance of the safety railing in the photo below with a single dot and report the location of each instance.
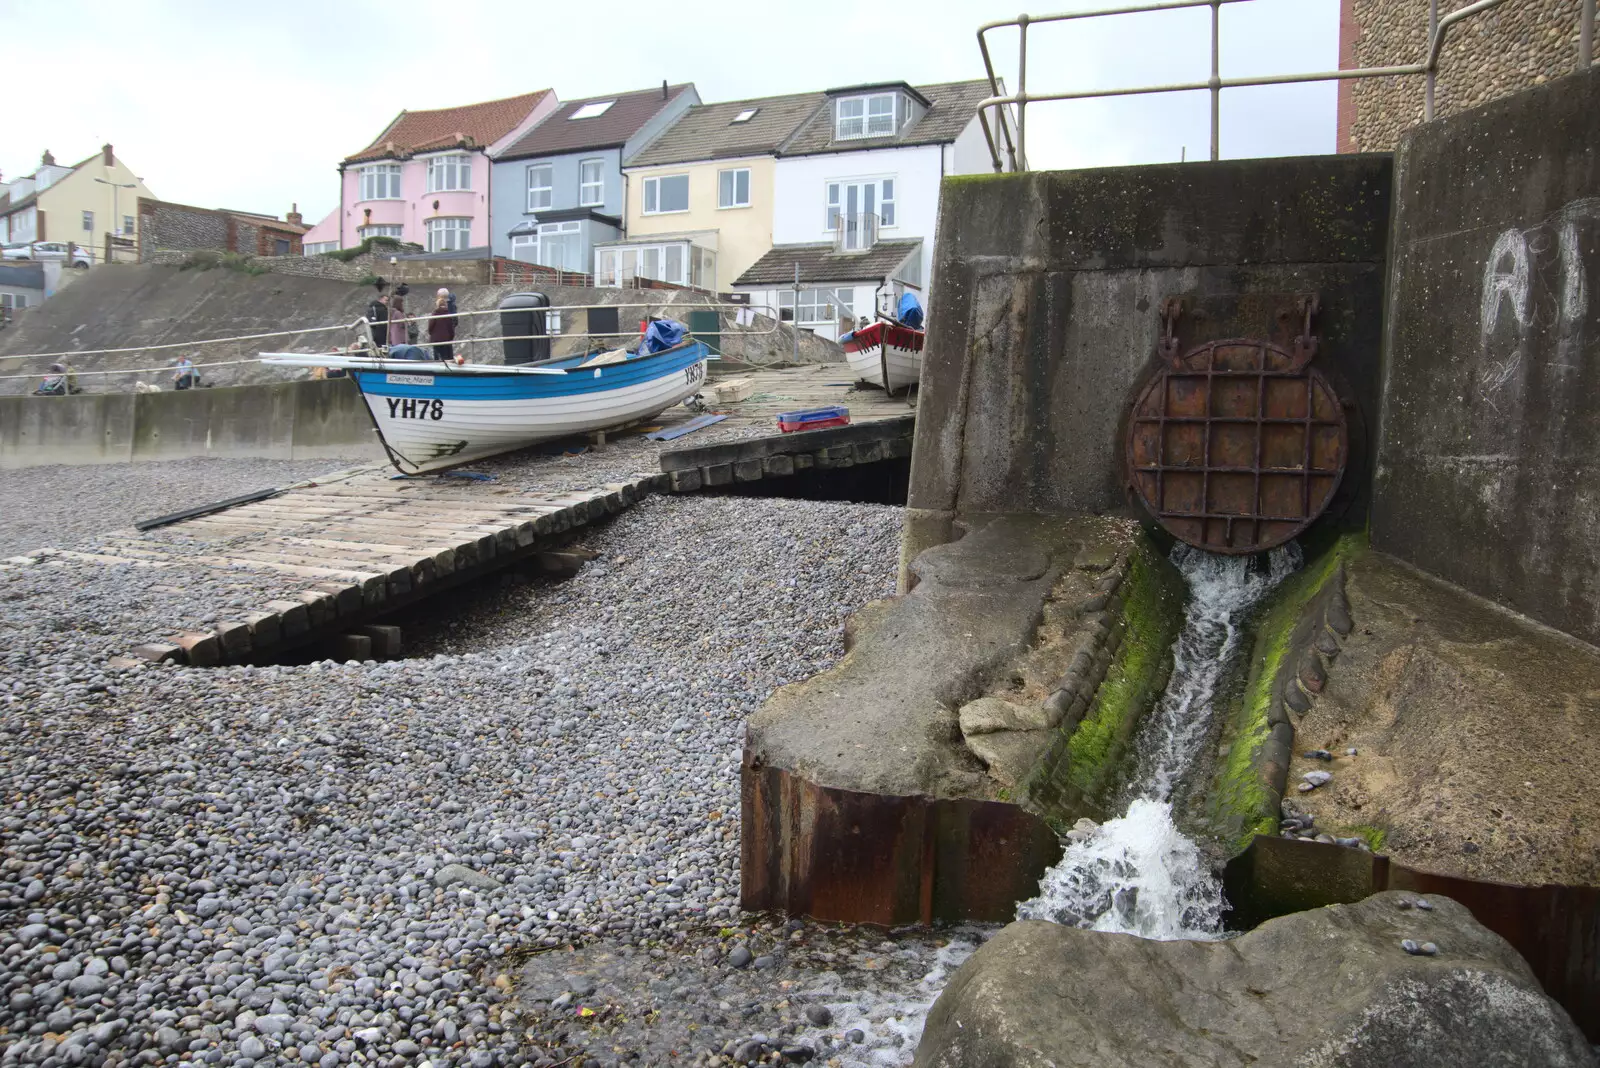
(734, 321)
(998, 137)
(855, 231)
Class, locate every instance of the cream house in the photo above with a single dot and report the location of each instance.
(699, 197)
(84, 203)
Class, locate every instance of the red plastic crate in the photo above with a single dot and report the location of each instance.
(813, 419)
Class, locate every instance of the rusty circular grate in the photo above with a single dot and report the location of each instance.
(1236, 446)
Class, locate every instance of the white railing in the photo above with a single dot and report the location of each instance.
(998, 136)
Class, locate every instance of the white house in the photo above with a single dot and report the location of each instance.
(863, 172)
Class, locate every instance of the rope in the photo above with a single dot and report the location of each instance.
(364, 323)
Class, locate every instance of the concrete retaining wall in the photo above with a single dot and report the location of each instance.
(286, 420)
(1489, 455)
(1049, 290)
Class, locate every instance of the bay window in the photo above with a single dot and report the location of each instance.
(380, 181)
(449, 235)
(448, 173)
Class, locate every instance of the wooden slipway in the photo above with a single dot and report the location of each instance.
(354, 546)
(349, 548)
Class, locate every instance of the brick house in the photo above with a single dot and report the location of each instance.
(167, 227)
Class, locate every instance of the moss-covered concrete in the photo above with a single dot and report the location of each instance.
(1079, 772)
(1241, 802)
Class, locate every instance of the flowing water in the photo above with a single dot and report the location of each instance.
(1138, 874)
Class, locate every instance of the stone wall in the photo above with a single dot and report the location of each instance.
(1515, 46)
(1490, 443)
(167, 227)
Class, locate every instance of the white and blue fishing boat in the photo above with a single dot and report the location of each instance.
(434, 415)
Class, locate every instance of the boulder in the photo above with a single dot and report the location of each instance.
(1330, 988)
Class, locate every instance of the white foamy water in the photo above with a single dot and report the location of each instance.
(1138, 874)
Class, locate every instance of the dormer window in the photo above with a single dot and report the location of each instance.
(744, 116)
(866, 116)
(591, 111)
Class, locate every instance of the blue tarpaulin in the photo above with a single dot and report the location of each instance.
(663, 334)
(409, 352)
(910, 312)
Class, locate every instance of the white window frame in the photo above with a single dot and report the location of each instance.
(13, 301)
(378, 181)
(450, 172)
(317, 248)
(88, 222)
(744, 116)
(591, 110)
(591, 194)
(812, 302)
(458, 230)
(732, 176)
(127, 225)
(612, 261)
(650, 194)
(836, 197)
(859, 122)
(394, 230)
(541, 197)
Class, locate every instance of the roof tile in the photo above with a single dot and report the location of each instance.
(819, 263)
(478, 125)
(954, 105)
(709, 132)
(558, 132)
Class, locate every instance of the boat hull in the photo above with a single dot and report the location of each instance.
(431, 419)
(886, 355)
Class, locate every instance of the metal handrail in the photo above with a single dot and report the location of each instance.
(1016, 152)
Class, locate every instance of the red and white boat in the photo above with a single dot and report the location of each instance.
(885, 353)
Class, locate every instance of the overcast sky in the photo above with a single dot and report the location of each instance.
(251, 106)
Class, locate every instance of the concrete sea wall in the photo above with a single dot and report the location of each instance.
(285, 420)
(1489, 458)
(1050, 292)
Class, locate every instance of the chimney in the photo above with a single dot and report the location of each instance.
(293, 218)
(663, 88)
(47, 160)
(105, 150)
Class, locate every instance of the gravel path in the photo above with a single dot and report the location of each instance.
(60, 507)
(345, 863)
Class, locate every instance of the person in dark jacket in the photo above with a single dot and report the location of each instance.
(442, 326)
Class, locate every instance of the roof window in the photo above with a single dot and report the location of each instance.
(592, 110)
(744, 116)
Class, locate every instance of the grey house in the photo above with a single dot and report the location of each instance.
(558, 190)
(25, 285)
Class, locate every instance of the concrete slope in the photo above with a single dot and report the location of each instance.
(152, 305)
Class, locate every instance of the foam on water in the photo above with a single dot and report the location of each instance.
(1138, 874)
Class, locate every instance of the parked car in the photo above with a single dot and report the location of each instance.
(47, 250)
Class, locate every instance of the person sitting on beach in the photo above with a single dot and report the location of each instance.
(185, 376)
(56, 384)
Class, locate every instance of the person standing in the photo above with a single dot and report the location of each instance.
(378, 315)
(442, 325)
(397, 314)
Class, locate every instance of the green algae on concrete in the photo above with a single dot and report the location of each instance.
(1240, 804)
(1078, 772)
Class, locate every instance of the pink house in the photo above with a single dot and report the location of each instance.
(425, 179)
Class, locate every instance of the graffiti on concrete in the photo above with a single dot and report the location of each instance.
(1536, 279)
